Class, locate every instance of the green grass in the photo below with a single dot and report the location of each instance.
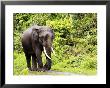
(81, 65)
(85, 65)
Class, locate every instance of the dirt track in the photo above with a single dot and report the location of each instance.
(51, 73)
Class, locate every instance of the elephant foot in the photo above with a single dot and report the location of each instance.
(46, 67)
(40, 69)
(44, 70)
(34, 69)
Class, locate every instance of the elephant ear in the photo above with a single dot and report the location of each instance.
(35, 34)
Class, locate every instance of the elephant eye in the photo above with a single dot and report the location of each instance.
(52, 37)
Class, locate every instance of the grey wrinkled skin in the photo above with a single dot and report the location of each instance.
(33, 40)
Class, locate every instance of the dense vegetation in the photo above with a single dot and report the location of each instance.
(75, 42)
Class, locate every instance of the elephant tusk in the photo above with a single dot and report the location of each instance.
(46, 53)
(52, 50)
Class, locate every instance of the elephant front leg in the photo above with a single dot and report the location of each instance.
(47, 66)
(40, 64)
(39, 59)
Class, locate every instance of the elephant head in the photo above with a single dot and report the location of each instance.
(43, 36)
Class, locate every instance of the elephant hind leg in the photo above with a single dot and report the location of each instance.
(28, 59)
(34, 62)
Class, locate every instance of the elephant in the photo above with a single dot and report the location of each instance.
(35, 40)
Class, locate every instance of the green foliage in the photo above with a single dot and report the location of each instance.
(19, 63)
(75, 42)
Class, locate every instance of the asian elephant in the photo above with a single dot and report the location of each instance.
(35, 40)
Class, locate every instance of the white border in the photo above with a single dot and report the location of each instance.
(100, 78)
